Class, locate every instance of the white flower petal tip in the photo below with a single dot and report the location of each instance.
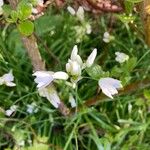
(72, 101)
(80, 13)
(51, 94)
(74, 53)
(91, 58)
(43, 78)
(60, 75)
(71, 10)
(7, 79)
(121, 57)
(109, 86)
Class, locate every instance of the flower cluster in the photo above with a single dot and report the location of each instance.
(74, 68)
(75, 64)
(84, 28)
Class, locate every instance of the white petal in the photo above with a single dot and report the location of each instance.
(68, 67)
(10, 84)
(72, 101)
(8, 77)
(79, 60)
(109, 86)
(8, 112)
(71, 10)
(60, 75)
(80, 13)
(43, 78)
(74, 53)
(106, 40)
(1, 3)
(75, 68)
(14, 107)
(121, 57)
(106, 35)
(51, 95)
(91, 58)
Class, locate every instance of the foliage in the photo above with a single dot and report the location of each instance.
(122, 123)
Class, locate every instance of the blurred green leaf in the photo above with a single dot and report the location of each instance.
(26, 27)
(24, 11)
(96, 72)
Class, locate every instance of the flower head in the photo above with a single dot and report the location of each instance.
(7, 79)
(74, 65)
(11, 110)
(44, 78)
(79, 13)
(107, 37)
(121, 57)
(32, 108)
(109, 86)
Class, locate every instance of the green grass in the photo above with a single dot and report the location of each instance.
(106, 126)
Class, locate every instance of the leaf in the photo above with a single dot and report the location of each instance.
(128, 7)
(14, 16)
(130, 64)
(24, 11)
(96, 72)
(26, 27)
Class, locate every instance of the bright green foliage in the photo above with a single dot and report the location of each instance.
(26, 27)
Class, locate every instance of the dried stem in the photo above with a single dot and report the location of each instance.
(145, 13)
(30, 43)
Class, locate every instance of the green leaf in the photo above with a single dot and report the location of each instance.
(115, 72)
(128, 7)
(125, 18)
(14, 16)
(24, 11)
(96, 72)
(26, 27)
(130, 64)
(147, 94)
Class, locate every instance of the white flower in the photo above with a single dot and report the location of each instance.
(74, 65)
(79, 13)
(51, 94)
(72, 101)
(91, 58)
(106, 37)
(32, 108)
(71, 10)
(7, 79)
(44, 78)
(121, 57)
(109, 86)
(11, 110)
